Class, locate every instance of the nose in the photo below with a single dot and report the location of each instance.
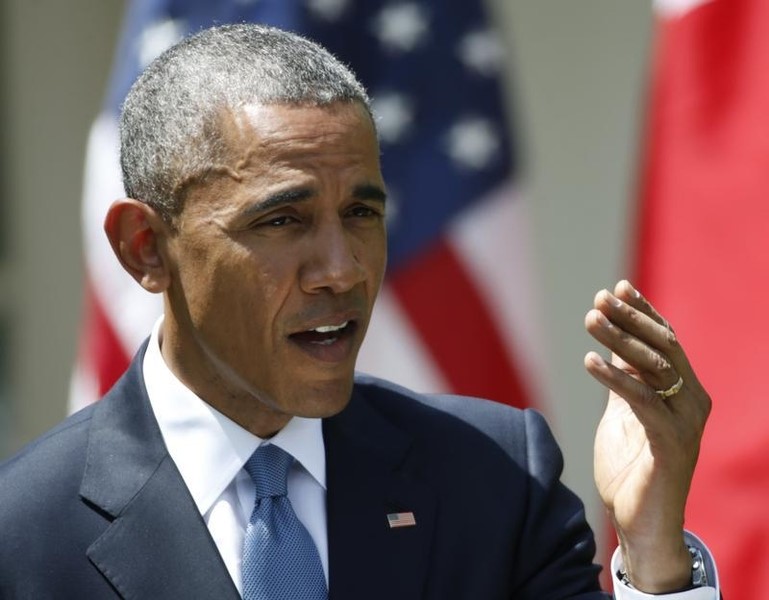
(331, 261)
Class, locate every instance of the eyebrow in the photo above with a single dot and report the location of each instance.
(286, 197)
(369, 191)
(282, 198)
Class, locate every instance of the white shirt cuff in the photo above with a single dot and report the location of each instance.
(710, 592)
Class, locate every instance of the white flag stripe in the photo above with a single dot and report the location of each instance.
(492, 241)
(393, 351)
(83, 389)
(677, 8)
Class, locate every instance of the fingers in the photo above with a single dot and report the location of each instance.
(621, 382)
(635, 339)
(647, 358)
(665, 339)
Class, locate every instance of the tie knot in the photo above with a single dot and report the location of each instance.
(268, 468)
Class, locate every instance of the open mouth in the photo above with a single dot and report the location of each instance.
(325, 335)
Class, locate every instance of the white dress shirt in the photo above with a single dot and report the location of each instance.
(210, 451)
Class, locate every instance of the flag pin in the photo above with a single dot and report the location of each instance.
(404, 519)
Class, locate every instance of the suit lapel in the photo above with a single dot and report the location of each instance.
(366, 479)
(157, 544)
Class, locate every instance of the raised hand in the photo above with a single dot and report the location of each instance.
(648, 440)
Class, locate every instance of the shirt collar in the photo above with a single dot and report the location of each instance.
(209, 448)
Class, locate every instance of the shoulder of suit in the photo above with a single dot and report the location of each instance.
(47, 470)
(62, 444)
(510, 428)
(53, 442)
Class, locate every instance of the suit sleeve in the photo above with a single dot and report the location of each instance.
(558, 546)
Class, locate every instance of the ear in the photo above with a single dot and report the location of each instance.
(137, 234)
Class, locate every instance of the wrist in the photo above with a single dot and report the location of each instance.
(657, 569)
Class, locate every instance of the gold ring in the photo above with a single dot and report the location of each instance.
(672, 390)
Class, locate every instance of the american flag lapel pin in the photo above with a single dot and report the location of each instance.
(401, 519)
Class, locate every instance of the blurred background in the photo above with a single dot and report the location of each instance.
(577, 75)
(577, 88)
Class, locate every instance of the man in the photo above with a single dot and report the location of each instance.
(256, 208)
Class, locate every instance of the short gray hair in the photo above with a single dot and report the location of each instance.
(169, 126)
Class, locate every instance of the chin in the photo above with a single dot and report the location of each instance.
(325, 399)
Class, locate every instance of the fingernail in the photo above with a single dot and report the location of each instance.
(603, 321)
(613, 300)
(635, 292)
(595, 359)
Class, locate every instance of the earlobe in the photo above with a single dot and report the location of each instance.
(136, 233)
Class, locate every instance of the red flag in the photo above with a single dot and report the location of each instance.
(703, 257)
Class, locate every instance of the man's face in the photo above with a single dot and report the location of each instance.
(276, 262)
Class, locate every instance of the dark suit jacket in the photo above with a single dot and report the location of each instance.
(96, 508)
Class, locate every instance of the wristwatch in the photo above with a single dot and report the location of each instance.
(699, 575)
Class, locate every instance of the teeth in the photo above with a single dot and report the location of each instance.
(330, 328)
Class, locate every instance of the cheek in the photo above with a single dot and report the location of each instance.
(209, 277)
(247, 291)
(372, 254)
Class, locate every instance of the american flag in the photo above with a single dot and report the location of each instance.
(457, 312)
(405, 519)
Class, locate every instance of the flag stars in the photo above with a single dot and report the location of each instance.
(482, 52)
(401, 27)
(328, 10)
(473, 142)
(158, 37)
(394, 115)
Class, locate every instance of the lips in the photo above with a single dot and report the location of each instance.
(324, 335)
(329, 342)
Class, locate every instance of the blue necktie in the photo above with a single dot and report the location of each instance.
(280, 560)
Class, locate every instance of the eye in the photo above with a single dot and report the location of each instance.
(277, 221)
(364, 211)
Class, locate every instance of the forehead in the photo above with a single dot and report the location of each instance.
(265, 148)
(285, 128)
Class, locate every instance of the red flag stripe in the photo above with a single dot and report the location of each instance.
(443, 306)
(101, 348)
